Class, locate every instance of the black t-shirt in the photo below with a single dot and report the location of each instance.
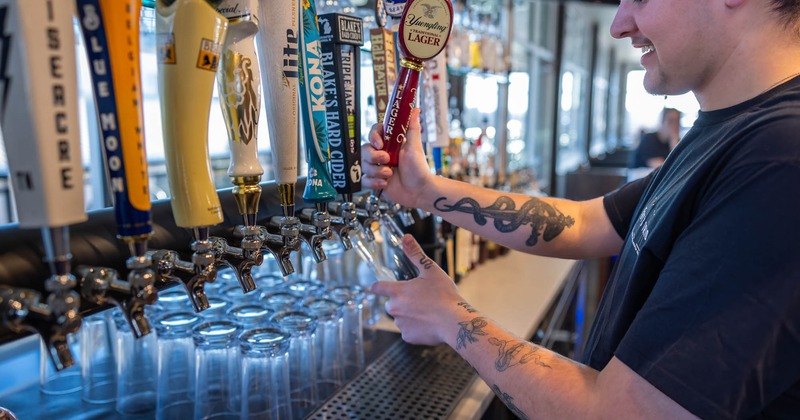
(650, 146)
(704, 302)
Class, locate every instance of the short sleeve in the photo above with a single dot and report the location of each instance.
(621, 203)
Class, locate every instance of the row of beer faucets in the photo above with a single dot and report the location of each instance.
(309, 80)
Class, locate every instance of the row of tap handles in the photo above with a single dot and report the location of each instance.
(246, 48)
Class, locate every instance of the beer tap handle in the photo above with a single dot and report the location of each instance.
(278, 54)
(117, 90)
(39, 120)
(319, 188)
(238, 82)
(190, 34)
(111, 31)
(421, 37)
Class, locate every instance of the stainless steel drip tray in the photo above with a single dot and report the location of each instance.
(404, 382)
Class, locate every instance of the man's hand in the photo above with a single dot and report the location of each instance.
(402, 184)
(422, 307)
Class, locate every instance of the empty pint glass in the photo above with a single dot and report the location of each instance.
(302, 364)
(137, 361)
(98, 368)
(217, 370)
(265, 374)
(176, 365)
(351, 298)
(328, 344)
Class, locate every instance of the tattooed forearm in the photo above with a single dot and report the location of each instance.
(469, 308)
(467, 331)
(511, 353)
(543, 218)
(508, 400)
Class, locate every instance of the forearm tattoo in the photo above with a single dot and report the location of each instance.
(426, 262)
(467, 331)
(508, 400)
(545, 220)
(469, 308)
(511, 353)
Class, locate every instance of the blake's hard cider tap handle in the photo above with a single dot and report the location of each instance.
(342, 37)
(238, 82)
(319, 188)
(39, 111)
(111, 31)
(189, 35)
(424, 30)
(278, 54)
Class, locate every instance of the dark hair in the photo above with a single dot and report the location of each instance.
(787, 10)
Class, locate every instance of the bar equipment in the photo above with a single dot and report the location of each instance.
(265, 374)
(176, 365)
(190, 34)
(238, 83)
(319, 188)
(302, 359)
(217, 380)
(278, 54)
(424, 30)
(351, 299)
(98, 367)
(137, 363)
(341, 37)
(39, 120)
(328, 344)
(117, 91)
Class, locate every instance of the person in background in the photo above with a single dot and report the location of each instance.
(701, 315)
(655, 146)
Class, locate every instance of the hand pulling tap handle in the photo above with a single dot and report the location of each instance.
(39, 120)
(279, 55)
(424, 30)
(111, 31)
(190, 34)
(238, 83)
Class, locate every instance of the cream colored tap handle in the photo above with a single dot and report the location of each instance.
(239, 87)
(278, 43)
(39, 111)
(190, 34)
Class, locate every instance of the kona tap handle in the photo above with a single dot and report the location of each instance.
(238, 83)
(278, 54)
(39, 120)
(319, 188)
(190, 34)
(423, 33)
(342, 37)
(117, 91)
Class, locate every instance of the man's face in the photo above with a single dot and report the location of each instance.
(681, 41)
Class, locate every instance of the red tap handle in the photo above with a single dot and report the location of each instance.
(398, 114)
(424, 31)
